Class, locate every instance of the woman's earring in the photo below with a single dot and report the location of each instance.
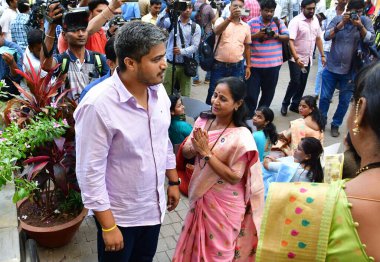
(356, 129)
(236, 108)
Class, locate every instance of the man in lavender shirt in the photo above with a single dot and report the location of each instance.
(123, 148)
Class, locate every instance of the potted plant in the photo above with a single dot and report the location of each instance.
(38, 155)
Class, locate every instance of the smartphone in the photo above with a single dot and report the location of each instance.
(322, 16)
(245, 12)
(303, 70)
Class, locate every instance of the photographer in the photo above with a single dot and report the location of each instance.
(266, 55)
(233, 47)
(81, 65)
(99, 14)
(191, 34)
(346, 32)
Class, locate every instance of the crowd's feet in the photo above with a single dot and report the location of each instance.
(335, 131)
(284, 110)
(199, 82)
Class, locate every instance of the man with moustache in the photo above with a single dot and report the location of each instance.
(304, 33)
(123, 149)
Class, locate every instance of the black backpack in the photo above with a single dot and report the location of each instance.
(207, 51)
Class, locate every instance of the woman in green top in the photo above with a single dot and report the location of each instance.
(266, 134)
(337, 221)
(179, 129)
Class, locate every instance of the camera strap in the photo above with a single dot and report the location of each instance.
(193, 26)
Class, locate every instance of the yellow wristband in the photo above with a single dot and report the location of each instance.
(109, 229)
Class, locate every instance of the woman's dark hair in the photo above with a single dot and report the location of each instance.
(173, 101)
(269, 129)
(367, 86)
(238, 92)
(351, 161)
(313, 147)
(316, 115)
(270, 4)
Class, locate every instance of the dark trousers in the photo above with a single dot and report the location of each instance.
(296, 86)
(264, 80)
(220, 70)
(140, 244)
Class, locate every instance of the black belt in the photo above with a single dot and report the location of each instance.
(228, 64)
(171, 62)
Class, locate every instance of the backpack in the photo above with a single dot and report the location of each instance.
(207, 52)
(64, 67)
(198, 15)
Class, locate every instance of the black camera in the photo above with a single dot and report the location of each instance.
(354, 15)
(118, 21)
(268, 31)
(177, 6)
(72, 16)
(219, 4)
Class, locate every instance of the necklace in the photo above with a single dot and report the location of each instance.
(208, 129)
(367, 167)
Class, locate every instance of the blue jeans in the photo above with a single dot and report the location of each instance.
(318, 78)
(140, 244)
(346, 89)
(296, 86)
(264, 80)
(220, 70)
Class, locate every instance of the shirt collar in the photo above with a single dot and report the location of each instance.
(73, 58)
(124, 94)
(303, 17)
(261, 20)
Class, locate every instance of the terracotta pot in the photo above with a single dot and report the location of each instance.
(55, 236)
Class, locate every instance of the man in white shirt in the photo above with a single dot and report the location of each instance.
(151, 17)
(8, 16)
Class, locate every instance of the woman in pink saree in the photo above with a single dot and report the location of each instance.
(226, 189)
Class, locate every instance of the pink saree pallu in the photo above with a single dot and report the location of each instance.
(224, 219)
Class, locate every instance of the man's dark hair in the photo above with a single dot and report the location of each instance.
(135, 39)
(110, 49)
(155, 2)
(34, 37)
(23, 6)
(94, 4)
(355, 4)
(307, 2)
(269, 4)
(1, 30)
(8, 1)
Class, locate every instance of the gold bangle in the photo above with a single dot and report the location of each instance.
(109, 229)
(51, 37)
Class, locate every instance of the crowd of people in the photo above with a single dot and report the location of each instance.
(128, 77)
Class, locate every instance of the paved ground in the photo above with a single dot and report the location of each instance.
(83, 246)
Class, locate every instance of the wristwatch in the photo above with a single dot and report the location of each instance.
(171, 183)
(207, 158)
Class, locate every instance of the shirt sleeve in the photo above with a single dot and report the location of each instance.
(163, 20)
(105, 67)
(332, 24)
(274, 166)
(283, 29)
(293, 29)
(93, 141)
(370, 35)
(136, 10)
(194, 43)
(248, 39)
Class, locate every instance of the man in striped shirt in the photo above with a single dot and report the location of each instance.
(266, 55)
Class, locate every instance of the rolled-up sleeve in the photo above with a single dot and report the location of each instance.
(93, 140)
(370, 35)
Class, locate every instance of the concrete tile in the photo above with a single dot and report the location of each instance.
(161, 246)
(177, 227)
(167, 230)
(162, 257)
(170, 253)
(174, 217)
(182, 213)
(167, 219)
(170, 242)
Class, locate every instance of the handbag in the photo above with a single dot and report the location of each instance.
(207, 51)
(190, 65)
(286, 54)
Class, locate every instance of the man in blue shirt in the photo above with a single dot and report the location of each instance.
(19, 26)
(9, 63)
(130, 11)
(111, 62)
(345, 32)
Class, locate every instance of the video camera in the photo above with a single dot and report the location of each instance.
(354, 15)
(118, 21)
(177, 6)
(72, 16)
(219, 4)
